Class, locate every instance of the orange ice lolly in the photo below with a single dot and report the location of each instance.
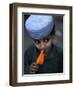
(40, 59)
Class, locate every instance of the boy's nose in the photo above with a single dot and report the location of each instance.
(42, 45)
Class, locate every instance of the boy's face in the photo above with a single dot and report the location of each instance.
(43, 44)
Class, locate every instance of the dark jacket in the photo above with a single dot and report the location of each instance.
(53, 60)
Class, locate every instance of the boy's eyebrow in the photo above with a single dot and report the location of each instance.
(36, 39)
(47, 37)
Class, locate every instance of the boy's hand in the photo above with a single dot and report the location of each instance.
(34, 68)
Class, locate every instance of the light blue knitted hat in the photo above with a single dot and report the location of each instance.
(39, 26)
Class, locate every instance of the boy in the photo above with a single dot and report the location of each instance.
(41, 29)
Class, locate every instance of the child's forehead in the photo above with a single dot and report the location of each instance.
(47, 37)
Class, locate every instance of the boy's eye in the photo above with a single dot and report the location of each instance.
(46, 40)
(37, 41)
